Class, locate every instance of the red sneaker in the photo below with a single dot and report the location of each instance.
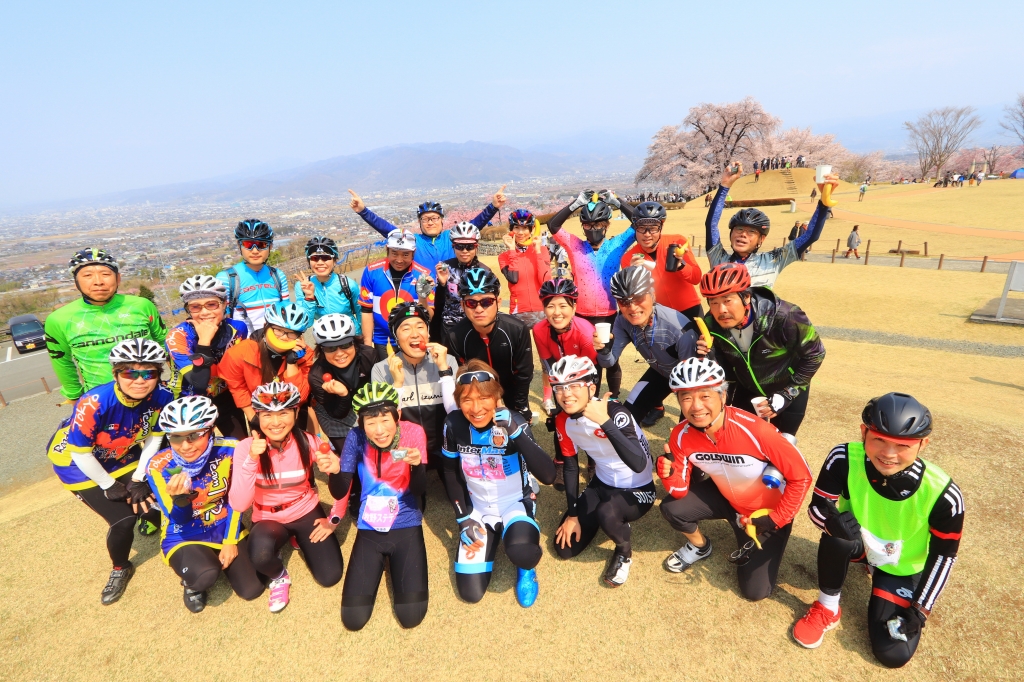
(810, 630)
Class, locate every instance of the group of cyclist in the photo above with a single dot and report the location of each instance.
(416, 367)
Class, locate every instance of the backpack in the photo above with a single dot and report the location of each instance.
(233, 290)
(346, 291)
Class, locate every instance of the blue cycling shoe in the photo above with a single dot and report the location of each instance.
(526, 587)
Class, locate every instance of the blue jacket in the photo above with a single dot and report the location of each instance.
(330, 298)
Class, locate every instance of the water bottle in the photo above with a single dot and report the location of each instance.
(772, 477)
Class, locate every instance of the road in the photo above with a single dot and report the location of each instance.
(19, 377)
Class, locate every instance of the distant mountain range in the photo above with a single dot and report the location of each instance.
(406, 166)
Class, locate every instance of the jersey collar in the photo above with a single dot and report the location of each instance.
(124, 399)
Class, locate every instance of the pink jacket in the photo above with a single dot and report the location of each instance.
(290, 487)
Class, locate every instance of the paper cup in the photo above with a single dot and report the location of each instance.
(757, 402)
(604, 331)
(820, 172)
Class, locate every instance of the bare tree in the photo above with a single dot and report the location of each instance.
(939, 134)
(1013, 120)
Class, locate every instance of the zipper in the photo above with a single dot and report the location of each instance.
(487, 344)
(378, 463)
(746, 358)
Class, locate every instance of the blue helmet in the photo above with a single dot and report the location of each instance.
(520, 216)
(429, 207)
(289, 316)
(254, 228)
(478, 281)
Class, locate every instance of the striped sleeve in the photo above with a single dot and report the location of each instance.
(946, 523)
(830, 485)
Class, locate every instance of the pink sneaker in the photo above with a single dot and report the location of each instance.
(810, 630)
(279, 588)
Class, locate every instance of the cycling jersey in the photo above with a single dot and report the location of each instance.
(617, 447)
(334, 412)
(447, 297)
(425, 397)
(189, 377)
(207, 519)
(673, 288)
(111, 426)
(79, 337)
(379, 294)
(251, 292)
(526, 269)
(429, 250)
(385, 500)
(506, 348)
(669, 338)
(242, 370)
(577, 340)
(764, 267)
(332, 297)
(735, 457)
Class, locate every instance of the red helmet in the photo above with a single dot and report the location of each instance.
(727, 278)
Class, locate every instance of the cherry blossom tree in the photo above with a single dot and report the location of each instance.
(793, 142)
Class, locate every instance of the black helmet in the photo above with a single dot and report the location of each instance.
(650, 210)
(636, 280)
(898, 415)
(405, 310)
(321, 245)
(595, 212)
(559, 287)
(751, 217)
(253, 228)
(429, 207)
(478, 281)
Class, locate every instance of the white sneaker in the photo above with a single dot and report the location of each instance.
(279, 589)
(687, 556)
(618, 570)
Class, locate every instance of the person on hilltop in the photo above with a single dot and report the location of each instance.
(853, 242)
(526, 265)
(253, 286)
(392, 280)
(595, 259)
(466, 242)
(489, 455)
(81, 334)
(205, 536)
(767, 346)
(748, 228)
(100, 453)
(878, 502)
(197, 345)
(433, 244)
(864, 190)
(754, 478)
(327, 292)
(497, 338)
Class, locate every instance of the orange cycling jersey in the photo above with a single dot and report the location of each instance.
(735, 458)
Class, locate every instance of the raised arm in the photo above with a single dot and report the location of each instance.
(718, 205)
(372, 219)
(556, 221)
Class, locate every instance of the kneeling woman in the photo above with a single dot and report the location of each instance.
(390, 459)
(274, 475)
(204, 535)
(488, 450)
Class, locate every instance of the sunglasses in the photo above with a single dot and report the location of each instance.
(320, 258)
(190, 438)
(467, 378)
(144, 374)
(252, 244)
(343, 345)
(464, 247)
(199, 307)
(631, 302)
(565, 388)
(271, 398)
(484, 303)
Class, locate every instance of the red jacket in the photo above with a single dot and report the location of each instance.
(240, 368)
(677, 289)
(734, 460)
(530, 269)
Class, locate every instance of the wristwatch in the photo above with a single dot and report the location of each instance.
(335, 520)
(446, 372)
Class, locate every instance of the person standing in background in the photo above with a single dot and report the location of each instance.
(852, 242)
(526, 266)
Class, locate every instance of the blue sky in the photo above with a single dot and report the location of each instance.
(99, 97)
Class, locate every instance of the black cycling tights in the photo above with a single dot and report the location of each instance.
(198, 566)
(230, 418)
(888, 592)
(121, 519)
(615, 371)
(611, 510)
(704, 501)
(407, 560)
(322, 558)
(522, 547)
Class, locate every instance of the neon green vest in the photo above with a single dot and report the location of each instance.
(895, 532)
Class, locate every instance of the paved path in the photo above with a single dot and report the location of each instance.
(19, 377)
(993, 350)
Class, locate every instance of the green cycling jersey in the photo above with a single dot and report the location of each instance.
(79, 337)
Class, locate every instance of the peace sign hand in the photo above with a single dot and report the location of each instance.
(308, 291)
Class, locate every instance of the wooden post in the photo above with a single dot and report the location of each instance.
(699, 247)
(3, 403)
(867, 254)
(984, 262)
(803, 256)
(46, 387)
(942, 257)
(899, 246)
(837, 244)
(903, 256)
(868, 247)
(926, 248)
(834, 255)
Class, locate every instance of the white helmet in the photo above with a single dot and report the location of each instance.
(401, 239)
(275, 397)
(695, 372)
(202, 286)
(332, 329)
(191, 413)
(465, 232)
(288, 315)
(138, 350)
(572, 368)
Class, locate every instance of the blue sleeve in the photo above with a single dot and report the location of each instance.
(814, 228)
(356, 311)
(376, 222)
(620, 243)
(300, 298)
(714, 215)
(282, 280)
(351, 451)
(484, 216)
